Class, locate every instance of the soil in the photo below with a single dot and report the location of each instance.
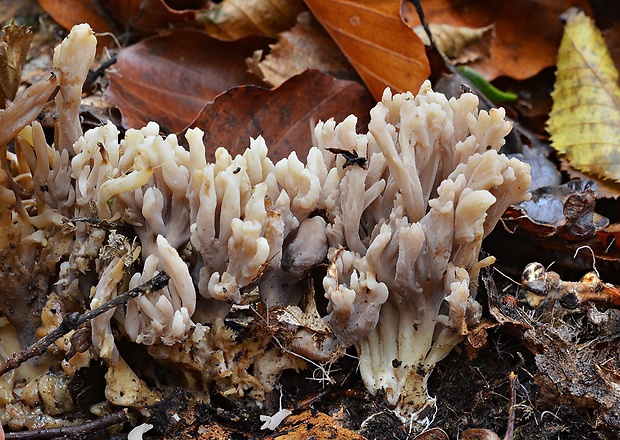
(472, 388)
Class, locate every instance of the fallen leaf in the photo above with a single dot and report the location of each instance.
(234, 19)
(283, 116)
(13, 53)
(584, 123)
(461, 44)
(527, 33)
(566, 210)
(170, 78)
(605, 188)
(479, 434)
(68, 13)
(144, 18)
(432, 434)
(383, 50)
(138, 18)
(306, 46)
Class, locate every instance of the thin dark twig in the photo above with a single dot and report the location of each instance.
(511, 411)
(93, 75)
(73, 320)
(447, 62)
(516, 126)
(72, 431)
(100, 223)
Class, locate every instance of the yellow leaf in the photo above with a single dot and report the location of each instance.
(584, 123)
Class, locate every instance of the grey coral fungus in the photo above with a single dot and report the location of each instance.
(400, 232)
(406, 238)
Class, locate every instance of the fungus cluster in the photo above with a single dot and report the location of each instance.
(400, 233)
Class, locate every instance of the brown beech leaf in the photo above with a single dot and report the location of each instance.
(138, 17)
(170, 78)
(527, 33)
(306, 46)
(283, 116)
(14, 48)
(479, 434)
(68, 13)
(383, 50)
(144, 18)
(234, 19)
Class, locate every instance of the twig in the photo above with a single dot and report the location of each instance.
(73, 431)
(73, 320)
(510, 428)
(93, 75)
(99, 223)
(446, 61)
(516, 126)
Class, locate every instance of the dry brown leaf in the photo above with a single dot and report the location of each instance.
(479, 434)
(13, 53)
(527, 33)
(306, 46)
(459, 43)
(283, 116)
(170, 78)
(68, 13)
(314, 425)
(144, 18)
(433, 434)
(383, 50)
(234, 19)
(119, 17)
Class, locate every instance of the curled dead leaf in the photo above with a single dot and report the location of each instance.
(306, 46)
(234, 19)
(566, 210)
(461, 44)
(527, 33)
(13, 53)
